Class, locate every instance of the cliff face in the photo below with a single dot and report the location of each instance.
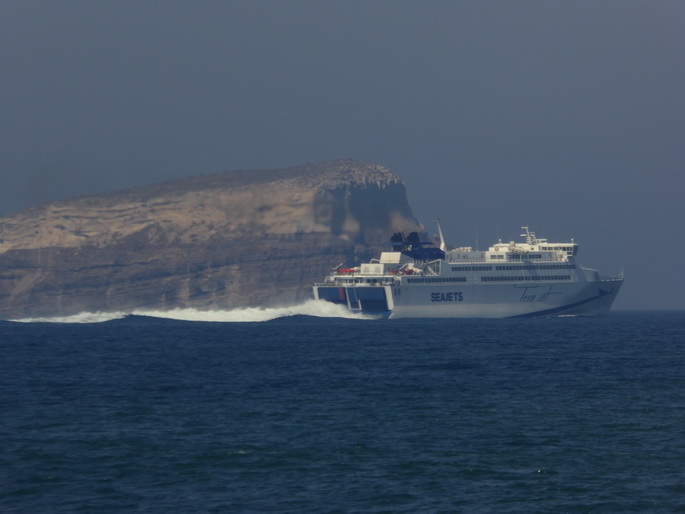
(247, 238)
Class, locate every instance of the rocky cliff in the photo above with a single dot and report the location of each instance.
(246, 238)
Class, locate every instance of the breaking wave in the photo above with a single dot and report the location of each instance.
(315, 308)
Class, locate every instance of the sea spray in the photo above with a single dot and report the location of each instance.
(315, 308)
(83, 317)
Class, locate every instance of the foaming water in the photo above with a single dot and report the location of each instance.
(315, 308)
(83, 317)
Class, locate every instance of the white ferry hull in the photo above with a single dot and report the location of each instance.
(477, 301)
(505, 301)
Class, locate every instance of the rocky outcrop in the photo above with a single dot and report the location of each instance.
(246, 238)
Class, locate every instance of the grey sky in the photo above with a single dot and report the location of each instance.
(565, 116)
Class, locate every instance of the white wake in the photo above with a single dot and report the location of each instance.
(317, 308)
(83, 317)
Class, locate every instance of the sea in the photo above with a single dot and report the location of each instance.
(308, 409)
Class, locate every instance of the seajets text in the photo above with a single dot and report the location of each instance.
(447, 297)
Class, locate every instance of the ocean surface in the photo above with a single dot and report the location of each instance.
(301, 413)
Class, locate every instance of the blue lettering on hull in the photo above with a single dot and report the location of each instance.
(447, 297)
(557, 310)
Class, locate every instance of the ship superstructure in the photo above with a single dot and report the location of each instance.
(516, 279)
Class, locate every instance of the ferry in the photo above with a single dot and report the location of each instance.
(417, 279)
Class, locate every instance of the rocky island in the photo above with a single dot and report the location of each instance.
(238, 239)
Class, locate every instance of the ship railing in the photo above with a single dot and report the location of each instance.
(344, 283)
(431, 268)
(559, 258)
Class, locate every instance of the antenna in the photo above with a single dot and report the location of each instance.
(443, 247)
(530, 236)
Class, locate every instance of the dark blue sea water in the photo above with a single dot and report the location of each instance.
(304, 414)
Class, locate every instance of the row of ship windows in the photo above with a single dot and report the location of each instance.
(514, 267)
(362, 280)
(563, 248)
(516, 256)
(536, 266)
(435, 280)
(488, 279)
(524, 257)
(525, 279)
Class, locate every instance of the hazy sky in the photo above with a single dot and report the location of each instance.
(568, 116)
